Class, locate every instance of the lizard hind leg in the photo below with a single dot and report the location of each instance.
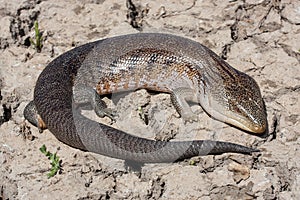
(101, 108)
(180, 98)
(31, 114)
(87, 98)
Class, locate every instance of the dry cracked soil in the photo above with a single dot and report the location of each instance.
(261, 38)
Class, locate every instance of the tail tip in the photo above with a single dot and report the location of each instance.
(251, 150)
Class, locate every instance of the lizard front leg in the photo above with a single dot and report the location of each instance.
(180, 98)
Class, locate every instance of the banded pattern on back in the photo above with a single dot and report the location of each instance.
(148, 68)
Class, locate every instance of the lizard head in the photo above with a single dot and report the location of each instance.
(236, 100)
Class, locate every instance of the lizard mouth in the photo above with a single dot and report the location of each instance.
(247, 126)
(246, 123)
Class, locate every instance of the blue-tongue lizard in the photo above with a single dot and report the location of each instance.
(184, 68)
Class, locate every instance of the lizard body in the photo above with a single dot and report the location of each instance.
(184, 68)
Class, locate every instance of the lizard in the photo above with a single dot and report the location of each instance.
(184, 68)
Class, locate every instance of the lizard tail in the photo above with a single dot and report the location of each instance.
(108, 141)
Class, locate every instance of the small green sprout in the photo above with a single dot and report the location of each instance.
(38, 38)
(55, 161)
(192, 162)
(143, 115)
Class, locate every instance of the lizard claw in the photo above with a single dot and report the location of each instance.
(107, 112)
(112, 114)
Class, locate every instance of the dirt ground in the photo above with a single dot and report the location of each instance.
(261, 38)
